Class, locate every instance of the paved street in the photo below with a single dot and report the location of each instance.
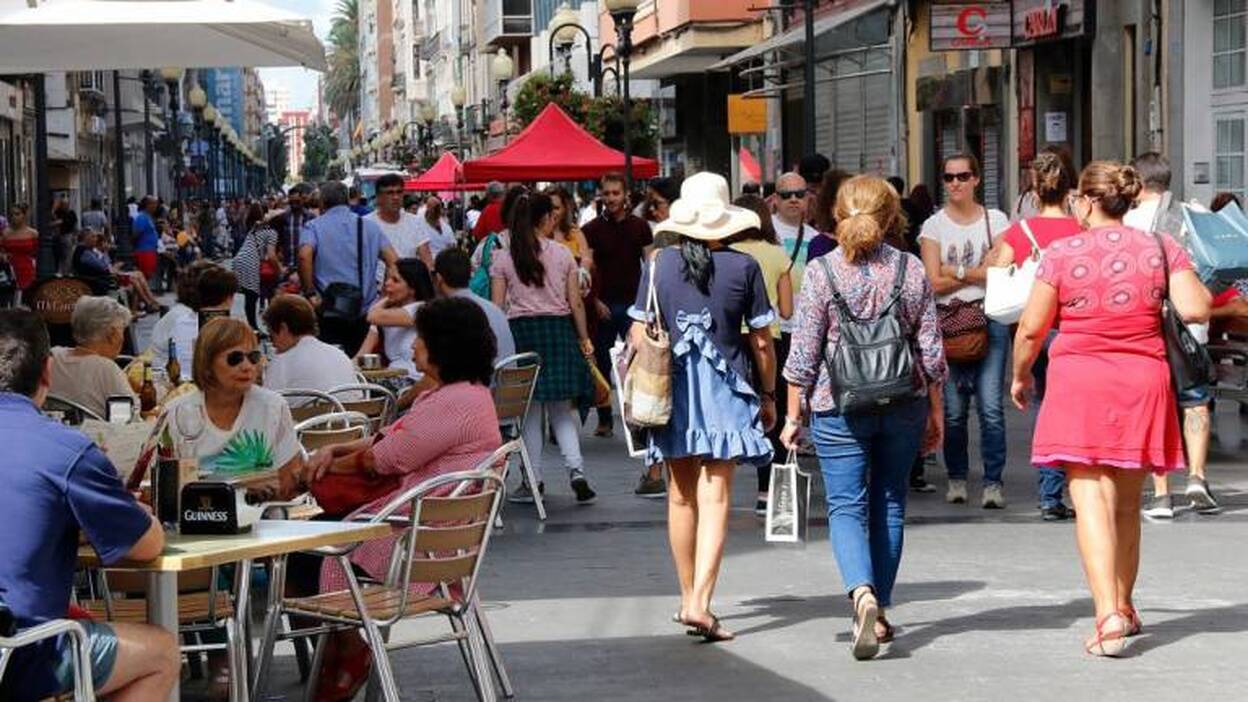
(991, 606)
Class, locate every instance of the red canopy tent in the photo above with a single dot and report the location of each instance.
(554, 147)
(445, 175)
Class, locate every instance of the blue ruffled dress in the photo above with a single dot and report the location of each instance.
(715, 411)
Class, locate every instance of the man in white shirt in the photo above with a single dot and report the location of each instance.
(791, 228)
(401, 227)
(303, 362)
(452, 271)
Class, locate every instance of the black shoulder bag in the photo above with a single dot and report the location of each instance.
(1190, 364)
(344, 301)
(872, 367)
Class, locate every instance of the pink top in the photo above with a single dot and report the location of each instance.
(1109, 400)
(551, 299)
(450, 429)
(1046, 230)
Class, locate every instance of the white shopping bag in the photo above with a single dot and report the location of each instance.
(634, 437)
(788, 502)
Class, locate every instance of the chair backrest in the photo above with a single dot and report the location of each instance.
(448, 522)
(306, 403)
(333, 428)
(378, 402)
(515, 379)
(69, 411)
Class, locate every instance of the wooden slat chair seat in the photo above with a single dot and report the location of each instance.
(515, 379)
(332, 429)
(306, 404)
(441, 542)
(377, 402)
(193, 608)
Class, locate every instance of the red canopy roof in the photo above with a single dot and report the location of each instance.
(446, 174)
(554, 147)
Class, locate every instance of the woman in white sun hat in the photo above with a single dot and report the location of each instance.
(705, 291)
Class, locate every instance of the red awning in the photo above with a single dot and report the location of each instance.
(445, 175)
(554, 147)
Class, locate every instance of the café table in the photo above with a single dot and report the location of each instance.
(377, 374)
(269, 538)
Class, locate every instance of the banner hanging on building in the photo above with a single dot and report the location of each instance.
(970, 25)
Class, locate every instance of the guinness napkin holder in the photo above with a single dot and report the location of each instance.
(215, 508)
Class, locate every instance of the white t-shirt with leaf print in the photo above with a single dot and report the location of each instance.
(964, 245)
(262, 438)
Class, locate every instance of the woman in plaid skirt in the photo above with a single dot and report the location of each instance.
(535, 281)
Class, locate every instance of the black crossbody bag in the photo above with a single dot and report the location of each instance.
(344, 301)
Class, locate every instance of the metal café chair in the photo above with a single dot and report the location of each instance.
(515, 379)
(68, 410)
(11, 640)
(306, 403)
(443, 526)
(373, 400)
(332, 429)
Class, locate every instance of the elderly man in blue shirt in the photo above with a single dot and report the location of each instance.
(57, 483)
(336, 255)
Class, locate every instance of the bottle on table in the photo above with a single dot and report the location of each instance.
(147, 393)
(173, 369)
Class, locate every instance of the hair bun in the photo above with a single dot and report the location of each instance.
(1127, 182)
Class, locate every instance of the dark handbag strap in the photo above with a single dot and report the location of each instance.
(359, 251)
(987, 228)
(801, 237)
(842, 305)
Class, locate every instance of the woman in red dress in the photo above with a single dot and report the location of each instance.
(19, 244)
(1110, 415)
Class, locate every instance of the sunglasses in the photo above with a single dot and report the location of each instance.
(963, 177)
(791, 194)
(236, 357)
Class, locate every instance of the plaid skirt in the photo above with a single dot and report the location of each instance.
(564, 375)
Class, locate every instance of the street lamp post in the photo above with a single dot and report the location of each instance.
(622, 13)
(172, 78)
(808, 77)
(458, 97)
(198, 100)
(502, 68)
(212, 120)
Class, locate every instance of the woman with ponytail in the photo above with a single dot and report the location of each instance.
(866, 457)
(535, 280)
(1109, 416)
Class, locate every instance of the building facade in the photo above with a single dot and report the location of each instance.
(294, 123)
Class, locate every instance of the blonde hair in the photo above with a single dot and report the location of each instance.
(866, 209)
(215, 338)
(1113, 185)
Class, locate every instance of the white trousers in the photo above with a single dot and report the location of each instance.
(563, 423)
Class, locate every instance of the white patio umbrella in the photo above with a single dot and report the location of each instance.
(68, 35)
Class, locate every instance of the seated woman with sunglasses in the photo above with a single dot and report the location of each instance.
(231, 424)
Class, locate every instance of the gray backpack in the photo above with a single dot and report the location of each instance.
(872, 366)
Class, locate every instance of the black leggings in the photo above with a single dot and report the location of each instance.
(251, 300)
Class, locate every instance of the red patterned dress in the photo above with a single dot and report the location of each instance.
(1109, 400)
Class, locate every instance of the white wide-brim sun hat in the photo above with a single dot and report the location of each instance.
(704, 211)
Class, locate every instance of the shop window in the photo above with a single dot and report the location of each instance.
(1229, 155)
(1230, 29)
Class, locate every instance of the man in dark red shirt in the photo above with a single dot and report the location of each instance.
(491, 219)
(618, 239)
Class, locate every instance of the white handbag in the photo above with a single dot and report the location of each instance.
(1010, 286)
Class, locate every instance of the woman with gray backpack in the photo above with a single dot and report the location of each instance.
(867, 354)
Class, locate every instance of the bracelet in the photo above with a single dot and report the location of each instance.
(791, 422)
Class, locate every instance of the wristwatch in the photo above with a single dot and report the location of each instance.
(961, 274)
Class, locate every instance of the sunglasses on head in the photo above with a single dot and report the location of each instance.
(790, 194)
(236, 357)
(962, 177)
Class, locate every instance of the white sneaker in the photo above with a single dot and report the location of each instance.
(956, 495)
(994, 497)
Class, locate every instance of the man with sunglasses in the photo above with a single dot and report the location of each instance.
(289, 225)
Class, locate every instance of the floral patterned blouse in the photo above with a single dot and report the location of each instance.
(866, 286)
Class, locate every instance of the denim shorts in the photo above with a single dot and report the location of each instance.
(102, 649)
(1198, 396)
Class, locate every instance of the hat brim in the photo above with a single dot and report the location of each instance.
(735, 220)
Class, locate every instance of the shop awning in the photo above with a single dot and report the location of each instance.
(554, 147)
(848, 12)
(447, 175)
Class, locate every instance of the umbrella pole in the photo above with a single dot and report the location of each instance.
(121, 219)
(46, 262)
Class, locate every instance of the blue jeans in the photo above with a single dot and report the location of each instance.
(1049, 481)
(985, 379)
(866, 462)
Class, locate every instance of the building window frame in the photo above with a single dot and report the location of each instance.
(1231, 14)
(1230, 160)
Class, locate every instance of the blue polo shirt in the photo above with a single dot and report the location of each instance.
(145, 236)
(55, 483)
(332, 237)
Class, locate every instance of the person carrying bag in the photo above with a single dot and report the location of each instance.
(344, 302)
(648, 381)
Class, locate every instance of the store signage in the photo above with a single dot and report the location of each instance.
(746, 115)
(1049, 20)
(973, 25)
(1043, 22)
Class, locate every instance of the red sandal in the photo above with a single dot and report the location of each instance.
(1135, 626)
(1108, 644)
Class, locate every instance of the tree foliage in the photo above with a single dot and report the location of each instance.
(342, 82)
(319, 146)
(601, 116)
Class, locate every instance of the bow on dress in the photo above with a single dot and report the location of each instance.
(685, 319)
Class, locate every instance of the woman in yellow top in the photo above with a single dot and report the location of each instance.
(764, 247)
(566, 232)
